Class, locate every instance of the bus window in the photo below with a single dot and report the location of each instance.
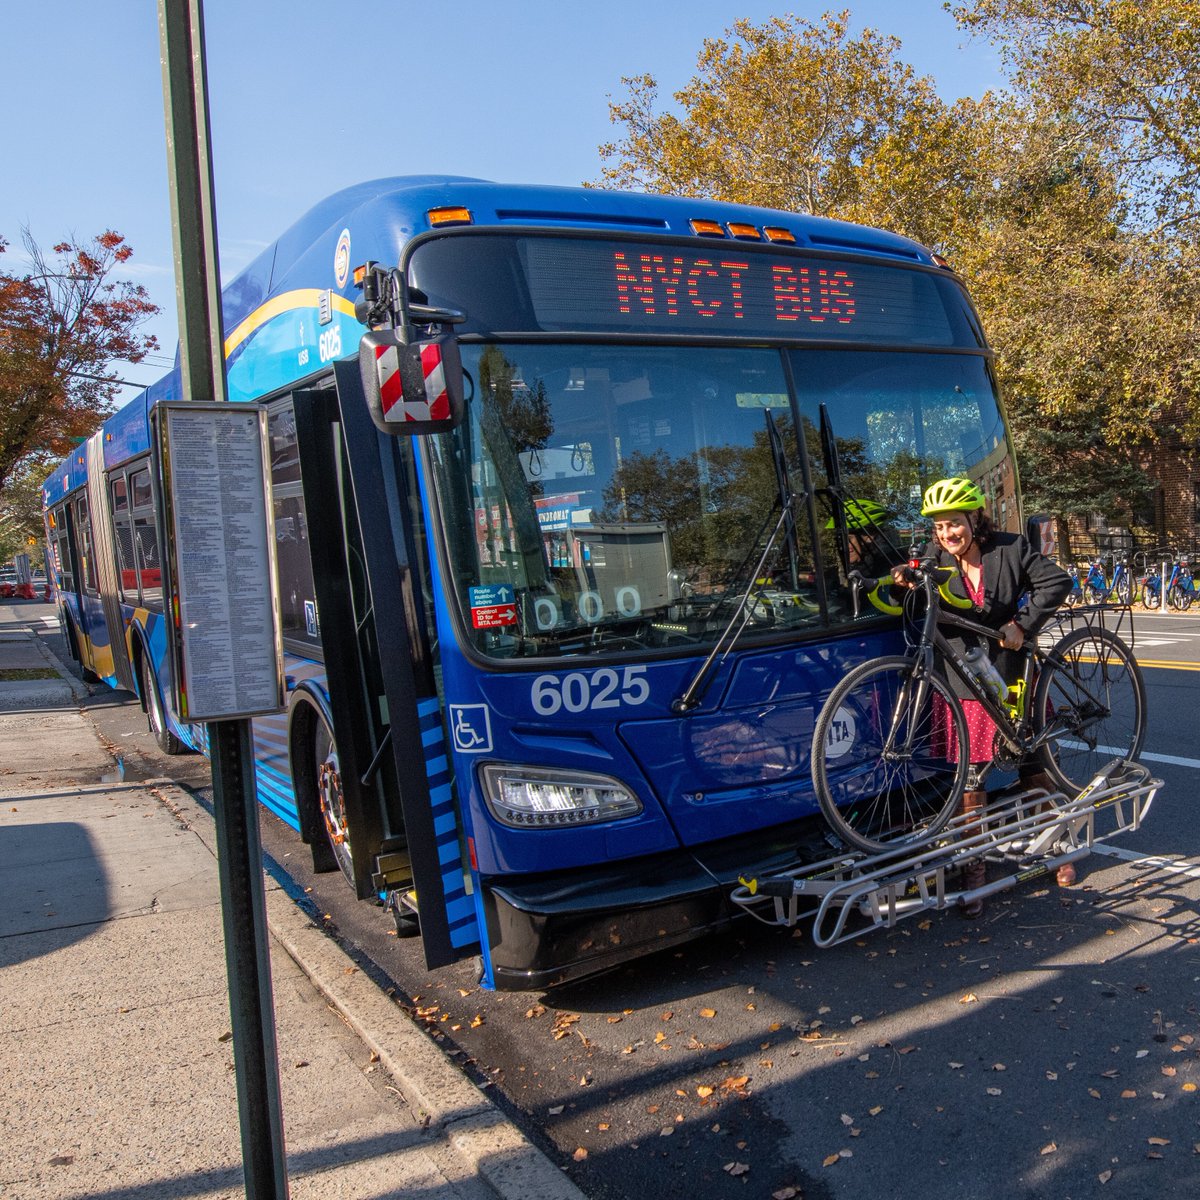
(83, 539)
(64, 562)
(899, 421)
(625, 495)
(145, 537)
(297, 596)
(123, 524)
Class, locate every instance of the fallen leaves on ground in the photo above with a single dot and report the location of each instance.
(562, 1024)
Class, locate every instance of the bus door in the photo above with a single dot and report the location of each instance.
(387, 719)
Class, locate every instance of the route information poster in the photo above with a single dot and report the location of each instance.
(226, 643)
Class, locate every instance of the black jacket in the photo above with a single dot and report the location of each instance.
(1014, 574)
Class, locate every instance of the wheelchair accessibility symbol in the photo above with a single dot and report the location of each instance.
(471, 728)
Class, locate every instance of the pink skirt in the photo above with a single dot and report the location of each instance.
(981, 732)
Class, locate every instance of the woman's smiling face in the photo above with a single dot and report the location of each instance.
(953, 532)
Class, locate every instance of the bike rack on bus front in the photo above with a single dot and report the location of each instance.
(1032, 832)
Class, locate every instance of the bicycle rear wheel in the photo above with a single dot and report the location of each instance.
(1091, 696)
(879, 757)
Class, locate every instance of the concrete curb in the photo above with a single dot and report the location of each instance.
(436, 1091)
(17, 695)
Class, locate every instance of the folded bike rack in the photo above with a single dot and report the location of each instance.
(1031, 833)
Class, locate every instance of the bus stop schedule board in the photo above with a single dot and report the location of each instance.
(226, 643)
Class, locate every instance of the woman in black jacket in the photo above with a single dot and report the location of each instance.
(996, 572)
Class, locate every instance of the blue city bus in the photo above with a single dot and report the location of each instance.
(554, 653)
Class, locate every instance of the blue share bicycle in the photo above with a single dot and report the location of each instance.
(1098, 588)
(884, 765)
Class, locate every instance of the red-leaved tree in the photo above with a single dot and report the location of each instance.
(64, 322)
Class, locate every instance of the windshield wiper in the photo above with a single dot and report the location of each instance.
(788, 502)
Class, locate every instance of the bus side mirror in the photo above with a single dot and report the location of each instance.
(412, 388)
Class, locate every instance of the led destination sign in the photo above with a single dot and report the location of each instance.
(515, 282)
(702, 286)
(578, 285)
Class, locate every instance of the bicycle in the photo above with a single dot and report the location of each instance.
(1099, 589)
(1075, 595)
(1181, 590)
(1181, 587)
(884, 763)
(1151, 581)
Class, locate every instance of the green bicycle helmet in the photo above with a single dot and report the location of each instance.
(951, 495)
(862, 513)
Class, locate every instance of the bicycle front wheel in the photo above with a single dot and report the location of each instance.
(1124, 590)
(1149, 596)
(1091, 699)
(881, 764)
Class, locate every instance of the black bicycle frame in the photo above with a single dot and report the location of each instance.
(1018, 734)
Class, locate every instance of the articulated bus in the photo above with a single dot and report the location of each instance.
(555, 640)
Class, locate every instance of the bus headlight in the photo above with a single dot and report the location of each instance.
(542, 798)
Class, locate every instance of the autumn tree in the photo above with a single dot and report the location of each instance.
(1041, 196)
(795, 115)
(1096, 312)
(1126, 71)
(63, 323)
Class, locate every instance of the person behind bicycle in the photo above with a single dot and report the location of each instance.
(995, 571)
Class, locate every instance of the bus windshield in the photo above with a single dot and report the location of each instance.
(606, 499)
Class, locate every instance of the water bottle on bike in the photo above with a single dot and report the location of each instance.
(984, 671)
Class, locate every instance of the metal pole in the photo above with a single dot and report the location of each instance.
(1162, 589)
(239, 852)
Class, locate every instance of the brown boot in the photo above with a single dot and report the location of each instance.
(1065, 875)
(974, 874)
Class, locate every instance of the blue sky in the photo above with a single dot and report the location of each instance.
(309, 97)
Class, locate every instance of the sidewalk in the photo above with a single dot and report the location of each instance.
(115, 1045)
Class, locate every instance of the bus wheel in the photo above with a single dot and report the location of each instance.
(331, 797)
(168, 743)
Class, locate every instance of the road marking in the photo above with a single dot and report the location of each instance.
(1167, 665)
(1150, 860)
(51, 621)
(1170, 759)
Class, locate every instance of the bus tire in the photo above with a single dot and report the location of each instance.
(317, 774)
(168, 743)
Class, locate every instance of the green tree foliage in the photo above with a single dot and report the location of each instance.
(62, 325)
(21, 510)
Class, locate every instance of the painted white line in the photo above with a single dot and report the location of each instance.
(1175, 866)
(51, 621)
(1146, 756)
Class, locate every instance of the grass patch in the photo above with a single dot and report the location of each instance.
(21, 674)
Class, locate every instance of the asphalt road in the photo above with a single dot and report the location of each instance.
(1050, 1049)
